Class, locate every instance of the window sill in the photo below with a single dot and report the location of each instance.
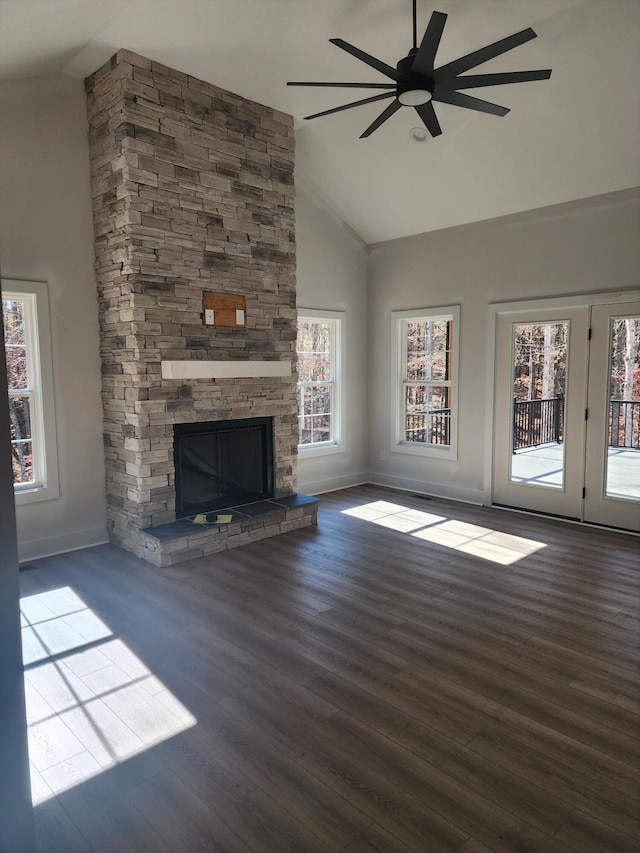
(309, 451)
(36, 494)
(433, 451)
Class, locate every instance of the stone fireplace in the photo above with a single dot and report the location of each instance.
(193, 194)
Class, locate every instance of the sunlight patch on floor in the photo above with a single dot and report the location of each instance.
(91, 702)
(484, 542)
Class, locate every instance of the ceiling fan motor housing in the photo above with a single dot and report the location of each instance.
(417, 88)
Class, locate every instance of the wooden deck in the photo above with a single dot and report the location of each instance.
(543, 466)
(363, 686)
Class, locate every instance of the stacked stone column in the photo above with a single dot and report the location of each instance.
(192, 191)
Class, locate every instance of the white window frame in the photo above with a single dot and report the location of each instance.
(399, 320)
(337, 321)
(34, 296)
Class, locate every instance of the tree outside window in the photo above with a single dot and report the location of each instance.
(427, 415)
(624, 388)
(427, 390)
(318, 400)
(30, 384)
(15, 315)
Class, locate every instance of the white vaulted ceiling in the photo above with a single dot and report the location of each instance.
(570, 137)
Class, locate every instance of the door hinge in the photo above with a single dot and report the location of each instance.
(589, 337)
(584, 493)
(586, 414)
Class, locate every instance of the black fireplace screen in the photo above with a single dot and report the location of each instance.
(220, 464)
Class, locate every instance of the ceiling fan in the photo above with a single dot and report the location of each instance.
(418, 84)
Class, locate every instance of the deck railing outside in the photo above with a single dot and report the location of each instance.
(624, 424)
(537, 422)
(431, 428)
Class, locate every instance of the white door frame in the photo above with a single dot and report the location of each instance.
(497, 309)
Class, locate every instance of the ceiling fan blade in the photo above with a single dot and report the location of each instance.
(349, 85)
(385, 69)
(472, 81)
(429, 118)
(352, 104)
(459, 66)
(458, 99)
(425, 57)
(384, 115)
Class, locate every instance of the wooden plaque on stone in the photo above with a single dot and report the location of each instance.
(229, 309)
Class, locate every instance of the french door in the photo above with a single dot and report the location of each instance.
(612, 469)
(567, 412)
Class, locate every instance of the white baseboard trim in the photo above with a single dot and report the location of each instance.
(34, 549)
(317, 487)
(421, 487)
(403, 484)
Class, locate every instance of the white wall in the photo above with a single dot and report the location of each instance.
(46, 234)
(331, 275)
(575, 248)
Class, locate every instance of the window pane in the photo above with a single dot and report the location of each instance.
(322, 428)
(22, 462)
(429, 429)
(13, 318)
(21, 444)
(17, 368)
(305, 401)
(322, 400)
(322, 422)
(427, 414)
(15, 343)
(428, 350)
(315, 414)
(314, 352)
(426, 398)
(20, 418)
(305, 366)
(305, 430)
(321, 367)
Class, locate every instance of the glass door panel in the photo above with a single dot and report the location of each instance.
(539, 389)
(538, 444)
(623, 445)
(612, 473)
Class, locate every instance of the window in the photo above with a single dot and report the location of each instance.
(426, 353)
(319, 388)
(25, 317)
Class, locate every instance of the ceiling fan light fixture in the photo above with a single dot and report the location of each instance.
(414, 97)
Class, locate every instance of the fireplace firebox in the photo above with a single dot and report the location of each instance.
(220, 464)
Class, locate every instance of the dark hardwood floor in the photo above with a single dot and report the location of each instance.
(426, 676)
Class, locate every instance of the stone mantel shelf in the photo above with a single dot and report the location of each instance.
(224, 369)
